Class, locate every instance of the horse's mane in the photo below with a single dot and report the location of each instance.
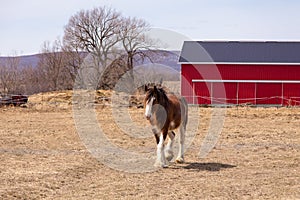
(161, 94)
(164, 101)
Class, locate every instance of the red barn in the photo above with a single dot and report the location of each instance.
(240, 72)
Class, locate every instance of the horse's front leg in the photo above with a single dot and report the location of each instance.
(169, 147)
(161, 160)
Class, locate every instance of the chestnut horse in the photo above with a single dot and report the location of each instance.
(166, 112)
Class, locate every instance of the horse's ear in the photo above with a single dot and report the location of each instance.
(160, 81)
(155, 88)
(145, 88)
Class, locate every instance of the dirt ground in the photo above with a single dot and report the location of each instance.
(257, 156)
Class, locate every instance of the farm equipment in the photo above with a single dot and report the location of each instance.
(15, 100)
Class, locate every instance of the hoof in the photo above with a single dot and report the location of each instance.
(160, 165)
(179, 160)
(164, 166)
(169, 156)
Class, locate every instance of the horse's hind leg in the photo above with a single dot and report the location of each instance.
(169, 148)
(180, 157)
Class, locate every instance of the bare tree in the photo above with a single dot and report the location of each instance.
(136, 45)
(32, 80)
(110, 38)
(95, 31)
(74, 57)
(134, 40)
(9, 75)
(52, 67)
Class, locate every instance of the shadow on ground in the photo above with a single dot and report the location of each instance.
(207, 166)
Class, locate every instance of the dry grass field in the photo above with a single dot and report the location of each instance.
(257, 156)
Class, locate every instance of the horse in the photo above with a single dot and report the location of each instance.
(166, 112)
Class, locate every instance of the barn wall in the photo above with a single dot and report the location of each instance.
(202, 93)
(246, 93)
(291, 94)
(268, 93)
(243, 72)
(241, 93)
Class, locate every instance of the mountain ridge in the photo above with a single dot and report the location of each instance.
(170, 59)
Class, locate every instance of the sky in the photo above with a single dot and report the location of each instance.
(26, 25)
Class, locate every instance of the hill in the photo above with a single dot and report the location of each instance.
(24, 61)
(167, 58)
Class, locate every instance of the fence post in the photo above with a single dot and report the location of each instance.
(193, 92)
(282, 94)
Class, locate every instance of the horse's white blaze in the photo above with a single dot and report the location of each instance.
(148, 109)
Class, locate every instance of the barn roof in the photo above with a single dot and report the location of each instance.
(240, 52)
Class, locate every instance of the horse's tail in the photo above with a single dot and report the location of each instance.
(182, 129)
(184, 111)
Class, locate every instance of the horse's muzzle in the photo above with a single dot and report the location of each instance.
(148, 117)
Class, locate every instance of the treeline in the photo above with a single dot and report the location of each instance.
(55, 70)
(100, 42)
